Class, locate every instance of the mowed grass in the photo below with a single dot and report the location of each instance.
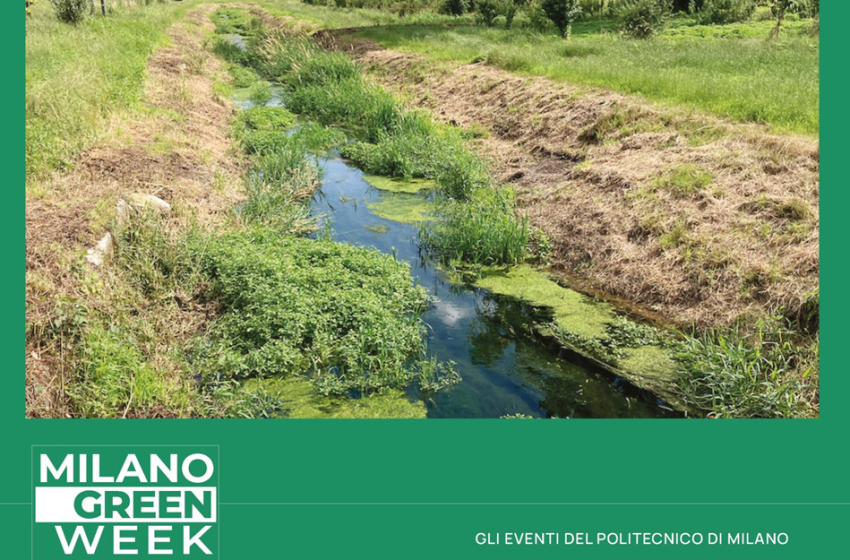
(77, 77)
(731, 70)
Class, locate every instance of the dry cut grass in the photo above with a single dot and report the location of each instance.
(700, 219)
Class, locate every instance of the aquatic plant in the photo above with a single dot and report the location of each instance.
(267, 118)
(292, 306)
(484, 230)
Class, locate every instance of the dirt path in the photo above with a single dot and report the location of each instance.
(177, 149)
(702, 220)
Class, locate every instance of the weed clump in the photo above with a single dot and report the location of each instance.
(346, 316)
(684, 180)
(731, 374)
(115, 378)
(482, 231)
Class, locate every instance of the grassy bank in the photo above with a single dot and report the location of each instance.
(79, 77)
(730, 70)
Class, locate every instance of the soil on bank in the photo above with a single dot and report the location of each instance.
(176, 148)
(702, 220)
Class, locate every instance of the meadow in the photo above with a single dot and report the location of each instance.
(79, 77)
(732, 72)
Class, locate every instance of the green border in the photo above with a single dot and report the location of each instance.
(616, 475)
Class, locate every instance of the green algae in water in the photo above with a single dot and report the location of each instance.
(397, 185)
(378, 228)
(268, 118)
(586, 324)
(298, 399)
(404, 209)
(573, 311)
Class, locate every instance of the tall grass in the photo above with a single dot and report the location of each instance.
(394, 141)
(732, 374)
(483, 231)
(78, 76)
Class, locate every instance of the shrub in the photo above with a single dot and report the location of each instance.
(721, 12)
(488, 10)
(509, 9)
(562, 13)
(644, 18)
(72, 11)
(537, 18)
(456, 7)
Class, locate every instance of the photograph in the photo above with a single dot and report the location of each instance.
(422, 209)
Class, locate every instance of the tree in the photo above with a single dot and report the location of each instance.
(779, 8)
(509, 10)
(456, 7)
(643, 19)
(562, 13)
(488, 10)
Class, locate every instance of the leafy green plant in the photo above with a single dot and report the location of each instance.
(562, 13)
(643, 19)
(346, 316)
(267, 118)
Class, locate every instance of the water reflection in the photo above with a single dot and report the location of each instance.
(506, 369)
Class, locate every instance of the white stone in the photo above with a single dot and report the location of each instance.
(142, 200)
(100, 252)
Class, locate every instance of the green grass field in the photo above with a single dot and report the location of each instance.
(78, 76)
(730, 70)
(743, 77)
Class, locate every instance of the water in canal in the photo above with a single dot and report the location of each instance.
(506, 367)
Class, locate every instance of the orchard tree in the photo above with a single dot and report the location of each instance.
(562, 13)
(779, 8)
(509, 10)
